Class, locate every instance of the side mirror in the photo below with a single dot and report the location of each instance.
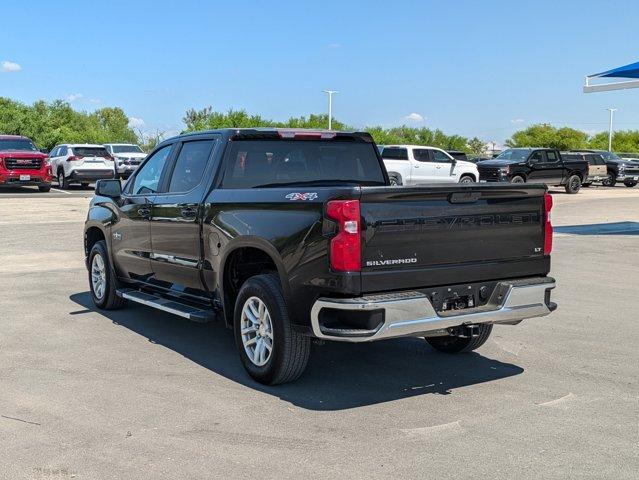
(111, 188)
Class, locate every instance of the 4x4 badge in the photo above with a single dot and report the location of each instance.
(117, 236)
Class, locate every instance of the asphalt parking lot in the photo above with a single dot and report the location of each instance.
(138, 393)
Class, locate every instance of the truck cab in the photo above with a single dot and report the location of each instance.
(418, 164)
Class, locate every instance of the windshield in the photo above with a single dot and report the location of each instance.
(126, 149)
(272, 163)
(514, 154)
(611, 156)
(17, 144)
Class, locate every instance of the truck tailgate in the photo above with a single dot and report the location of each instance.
(450, 234)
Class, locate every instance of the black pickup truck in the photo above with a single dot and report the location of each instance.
(535, 165)
(289, 235)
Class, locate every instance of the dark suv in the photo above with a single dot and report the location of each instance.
(619, 170)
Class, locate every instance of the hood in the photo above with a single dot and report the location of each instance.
(497, 163)
(22, 154)
(130, 155)
(464, 163)
(626, 163)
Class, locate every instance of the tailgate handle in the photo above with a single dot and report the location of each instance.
(464, 197)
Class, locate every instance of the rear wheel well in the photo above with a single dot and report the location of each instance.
(471, 175)
(242, 264)
(92, 236)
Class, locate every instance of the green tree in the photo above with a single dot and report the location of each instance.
(476, 146)
(545, 135)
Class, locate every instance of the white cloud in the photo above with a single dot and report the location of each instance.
(136, 122)
(517, 120)
(74, 97)
(8, 66)
(335, 45)
(414, 117)
(94, 100)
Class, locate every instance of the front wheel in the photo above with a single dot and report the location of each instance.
(466, 179)
(517, 179)
(102, 280)
(452, 344)
(44, 188)
(630, 184)
(270, 349)
(395, 180)
(573, 185)
(610, 181)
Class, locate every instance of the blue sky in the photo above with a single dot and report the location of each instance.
(468, 67)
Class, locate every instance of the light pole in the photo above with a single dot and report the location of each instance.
(611, 110)
(330, 107)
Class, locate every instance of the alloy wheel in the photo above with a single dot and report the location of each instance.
(98, 276)
(257, 331)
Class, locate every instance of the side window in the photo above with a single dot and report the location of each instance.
(440, 157)
(63, 151)
(552, 156)
(148, 177)
(54, 153)
(190, 165)
(393, 153)
(536, 157)
(599, 160)
(421, 154)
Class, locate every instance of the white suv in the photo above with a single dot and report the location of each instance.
(127, 157)
(74, 163)
(417, 164)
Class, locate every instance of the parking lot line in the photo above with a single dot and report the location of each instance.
(61, 191)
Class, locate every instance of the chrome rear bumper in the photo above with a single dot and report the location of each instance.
(410, 313)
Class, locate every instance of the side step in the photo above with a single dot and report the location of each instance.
(186, 311)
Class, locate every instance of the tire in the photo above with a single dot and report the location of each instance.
(466, 179)
(573, 185)
(611, 181)
(517, 179)
(630, 184)
(395, 180)
(290, 350)
(461, 345)
(44, 188)
(63, 182)
(84, 184)
(105, 298)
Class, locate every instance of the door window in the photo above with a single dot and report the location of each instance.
(63, 152)
(147, 177)
(394, 153)
(537, 157)
(421, 154)
(440, 157)
(190, 165)
(552, 156)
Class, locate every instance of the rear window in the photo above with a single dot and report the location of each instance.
(393, 153)
(269, 163)
(90, 151)
(17, 144)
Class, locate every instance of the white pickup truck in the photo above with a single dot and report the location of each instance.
(417, 164)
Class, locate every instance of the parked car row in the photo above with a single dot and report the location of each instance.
(22, 164)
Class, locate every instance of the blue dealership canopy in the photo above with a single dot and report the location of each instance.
(627, 71)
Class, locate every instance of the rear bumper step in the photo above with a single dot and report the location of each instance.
(186, 311)
(411, 313)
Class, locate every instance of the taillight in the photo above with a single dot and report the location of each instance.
(345, 252)
(73, 158)
(547, 224)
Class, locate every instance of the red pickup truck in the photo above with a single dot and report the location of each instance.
(22, 164)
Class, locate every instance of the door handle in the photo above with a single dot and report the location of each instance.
(144, 212)
(188, 210)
